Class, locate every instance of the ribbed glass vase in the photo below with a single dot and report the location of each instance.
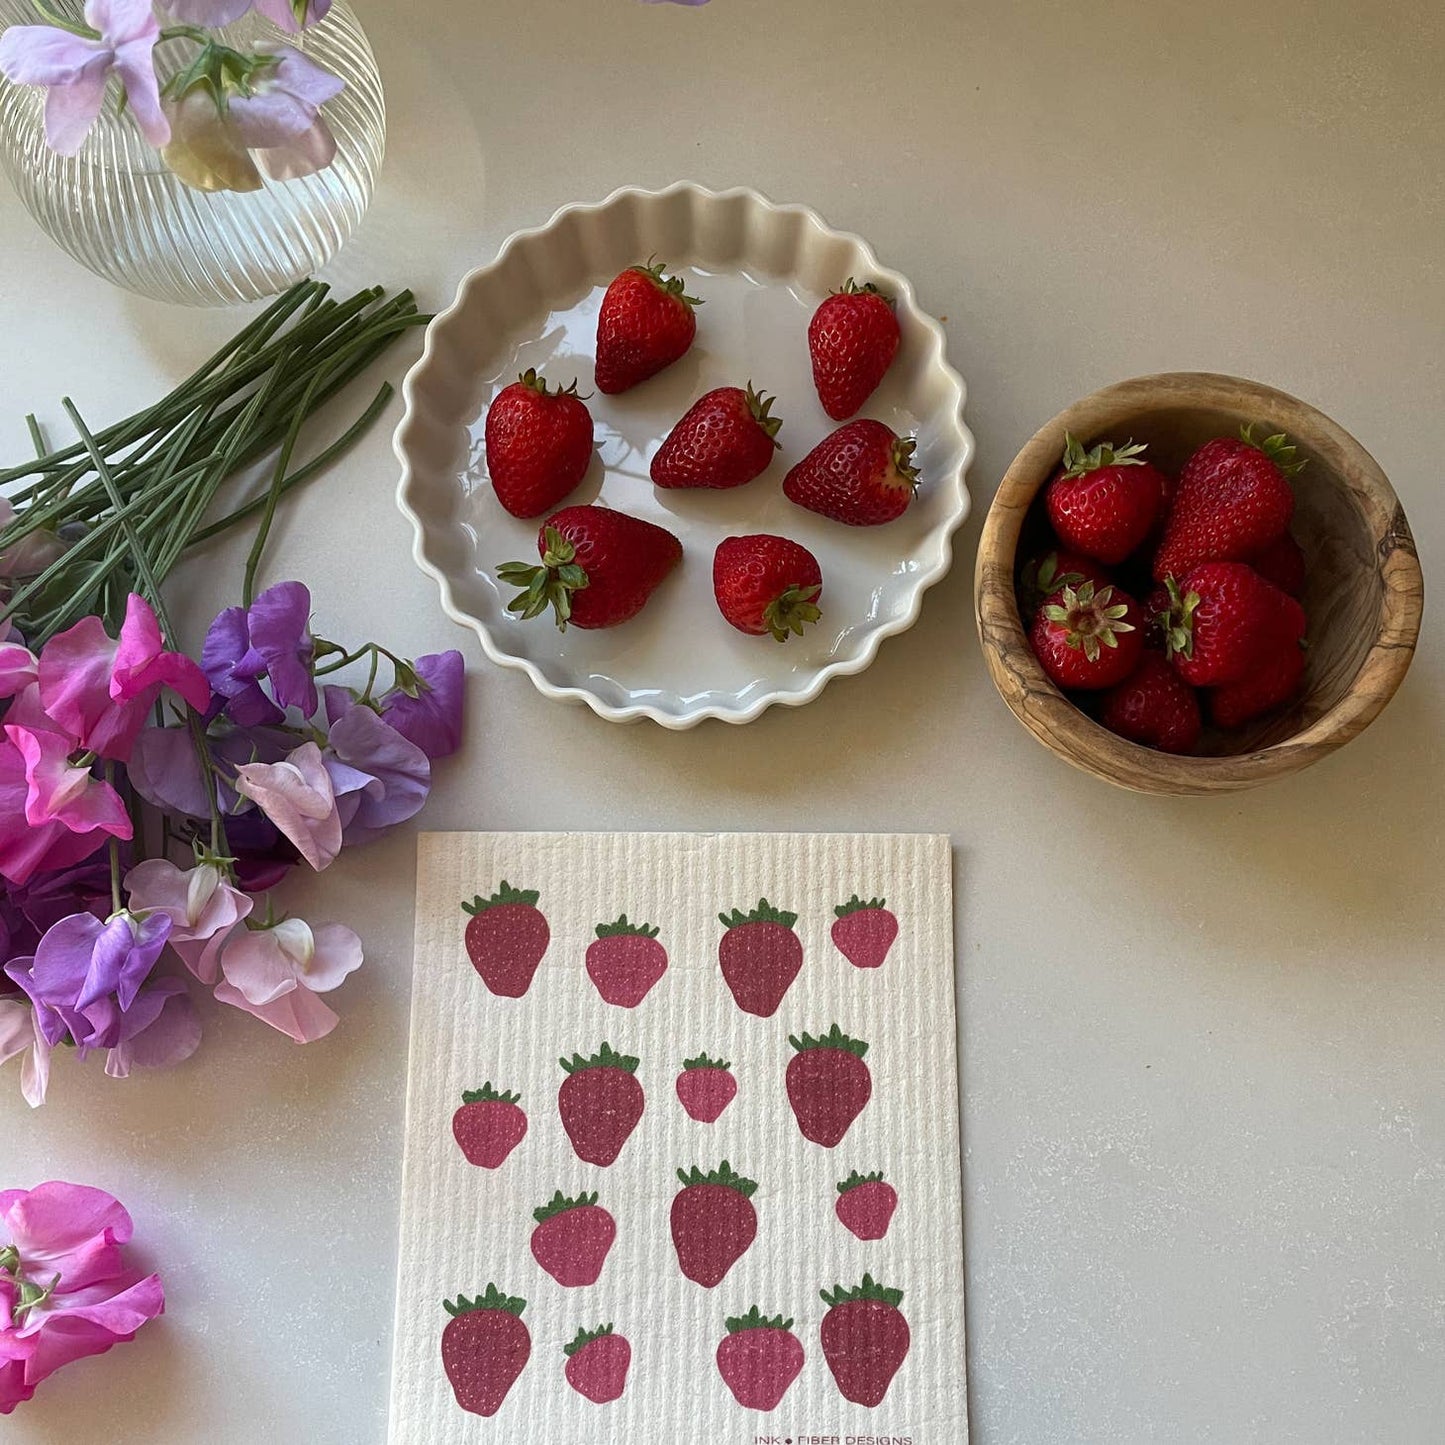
(117, 209)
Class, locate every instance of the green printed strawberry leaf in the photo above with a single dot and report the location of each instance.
(494, 1299)
(585, 1337)
(560, 1203)
(756, 1320)
(858, 905)
(869, 1289)
(702, 1061)
(623, 927)
(835, 1038)
(605, 1058)
(488, 1095)
(855, 1179)
(505, 894)
(763, 913)
(724, 1174)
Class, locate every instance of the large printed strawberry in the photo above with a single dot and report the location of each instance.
(597, 1362)
(760, 956)
(713, 1222)
(759, 1358)
(488, 1126)
(572, 1238)
(865, 1204)
(865, 1339)
(705, 1087)
(506, 939)
(600, 1102)
(828, 1084)
(485, 1346)
(864, 932)
(624, 961)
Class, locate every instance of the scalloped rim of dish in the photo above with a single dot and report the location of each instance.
(842, 667)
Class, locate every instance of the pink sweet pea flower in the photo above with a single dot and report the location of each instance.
(17, 668)
(275, 973)
(21, 1037)
(68, 1230)
(296, 794)
(76, 69)
(34, 552)
(208, 14)
(293, 15)
(202, 906)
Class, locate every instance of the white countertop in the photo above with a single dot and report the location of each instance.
(1202, 1039)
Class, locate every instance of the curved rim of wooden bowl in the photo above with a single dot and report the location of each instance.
(1076, 737)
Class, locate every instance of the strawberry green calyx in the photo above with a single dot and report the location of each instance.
(1091, 620)
(656, 272)
(756, 1320)
(605, 1058)
(835, 1038)
(901, 456)
(533, 382)
(585, 1338)
(488, 1095)
(855, 1179)
(724, 1174)
(622, 927)
(858, 905)
(791, 611)
(869, 1289)
(851, 288)
(560, 1204)
(763, 913)
(703, 1062)
(505, 894)
(1040, 579)
(760, 405)
(549, 585)
(1078, 462)
(1178, 621)
(494, 1299)
(1277, 448)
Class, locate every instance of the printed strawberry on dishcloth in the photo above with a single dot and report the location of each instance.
(865, 1204)
(485, 1347)
(865, 1339)
(506, 938)
(624, 961)
(864, 931)
(760, 956)
(759, 1358)
(828, 1084)
(489, 1125)
(705, 1087)
(597, 1364)
(600, 1102)
(572, 1238)
(713, 1222)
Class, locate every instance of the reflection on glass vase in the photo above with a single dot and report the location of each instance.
(117, 209)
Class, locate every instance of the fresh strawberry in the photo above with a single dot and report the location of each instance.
(1282, 563)
(646, 323)
(1154, 706)
(485, 1346)
(1275, 680)
(862, 475)
(597, 1364)
(1225, 620)
(766, 584)
(598, 568)
(1088, 639)
(852, 339)
(759, 1358)
(713, 1222)
(625, 961)
(1042, 576)
(506, 939)
(864, 932)
(600, 1102)
(572, 1238)
(1232, 501)
(488, 1126)
(1104, 502)
(828, 1084)
(760, 956)
(865, 1339)
(725, 439)
(865, 1204)
(705, 1087)
(539, 444)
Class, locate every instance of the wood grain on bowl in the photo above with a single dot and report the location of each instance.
(1364, 596)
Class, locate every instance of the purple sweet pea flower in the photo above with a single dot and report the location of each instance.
(263, 854)
(432, 719)
(208, 14)
(76, 69)
(166, 772)
(294, 15)
(379, 778)
(270, 640)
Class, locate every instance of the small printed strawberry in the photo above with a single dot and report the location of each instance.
(725, 439)
(645, 323)
(1088, 639)
(1154, 706)
(865, 1204)
(506, 939)
(1274, 681)
(760, 956)
(572, 1238)
(1232, 501)
(1225, 620)
(1104, 502)
(485, 1346)
(862, 475)
(713, 1222)
(852, 340)
(488, 1126)
(1282, 563)
(598, 568)
(705, 1087)
(865, 1339)
(600, 1102)
(539, 444)
(864, 932)
(767, 585)
(597, 1364)
(759, 1358)
(828, 1084)
(625, 961)
(1042, 576)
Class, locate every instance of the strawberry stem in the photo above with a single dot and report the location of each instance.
(488, 1095)
(760, 404)
(1078, 462)
(549, 585)
(623, 928)
(724, 1174)
(605, 1058)
(560, 1204)
(835, 1038)
(763, 913)
(756, 1320)
(857, 905)
(703, 1062)
(533, 382)
(585, 1337)
(505, 894)
(493, 1299)
(868, 1289)
(1089, 620)
(855, 1180)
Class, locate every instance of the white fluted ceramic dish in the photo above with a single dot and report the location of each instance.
(762, 270)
